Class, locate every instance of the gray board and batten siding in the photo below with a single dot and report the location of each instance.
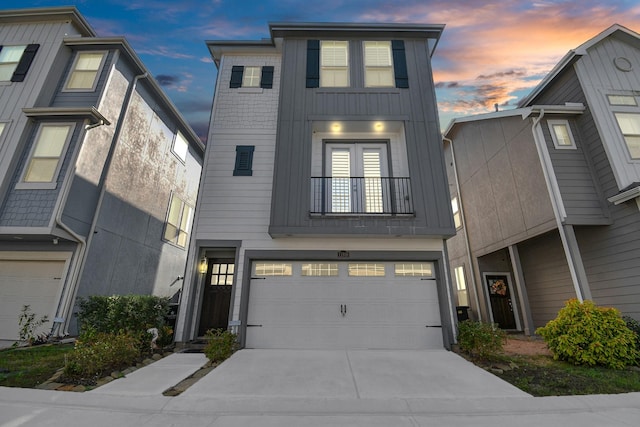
(300, 106)
(610, 253)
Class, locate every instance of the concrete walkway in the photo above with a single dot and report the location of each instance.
(311, 388)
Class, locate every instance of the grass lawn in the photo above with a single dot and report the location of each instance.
(29, 366)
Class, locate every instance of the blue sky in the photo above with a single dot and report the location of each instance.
(491, 52)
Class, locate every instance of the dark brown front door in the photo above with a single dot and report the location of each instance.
(217, 295)
(500, 300)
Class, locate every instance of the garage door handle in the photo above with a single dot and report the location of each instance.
(254, 326)
(434, 326)
(258, 278)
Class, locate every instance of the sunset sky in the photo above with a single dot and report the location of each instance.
(490, 52)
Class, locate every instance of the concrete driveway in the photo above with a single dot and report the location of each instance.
(352, 374)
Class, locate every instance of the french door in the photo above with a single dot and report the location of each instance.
(357, 171)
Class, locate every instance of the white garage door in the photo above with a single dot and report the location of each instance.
(28, 282)
(343, 305)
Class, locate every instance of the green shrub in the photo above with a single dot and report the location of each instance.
(130, 313)
(634, 325)
(221, 344)
(584, 334)
(480, 339)
(96, 354)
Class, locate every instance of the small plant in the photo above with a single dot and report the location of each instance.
(98, 353)
(479, 339)
(634, 325)
(221, 344)
(584, 334)
(29, 325)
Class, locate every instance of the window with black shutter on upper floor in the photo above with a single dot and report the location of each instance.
(15, 61)
(251, 77)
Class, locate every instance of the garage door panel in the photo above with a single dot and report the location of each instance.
(343, 311)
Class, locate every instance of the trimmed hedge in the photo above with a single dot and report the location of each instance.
(221, 344)
(584, 334)
(130, 313)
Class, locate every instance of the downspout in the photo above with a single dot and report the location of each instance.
(78, 266)
(556, 200)
(464, 227)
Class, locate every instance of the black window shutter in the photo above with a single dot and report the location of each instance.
(400, 64)
(25, 62)
(244, 160)
(236, 76)
(266, 80)
(313, 63)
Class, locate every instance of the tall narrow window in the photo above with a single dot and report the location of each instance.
(180, 147)
(178, 222)
(629, 124)
(46, 157)
(457, 218)
(9, 59)
(334, 64)
(84, 74)
(461, 287)
(378, 64)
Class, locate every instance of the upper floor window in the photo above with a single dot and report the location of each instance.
(378, 65)
(85, 71)
(15, 61)
(461, 287)
(178, 222)
(457, 218)
(629, 124)
(251, 77)
(45, 160)
(561, 134)
(2, 126)
(334, 64)
(180, 147)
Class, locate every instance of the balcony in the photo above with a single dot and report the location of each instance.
(361, 196)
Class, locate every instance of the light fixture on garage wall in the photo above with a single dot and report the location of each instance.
(202, 268)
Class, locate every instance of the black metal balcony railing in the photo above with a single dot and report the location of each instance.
(361, 196)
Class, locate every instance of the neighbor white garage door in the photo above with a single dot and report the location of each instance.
(28, 282)
(343, 305)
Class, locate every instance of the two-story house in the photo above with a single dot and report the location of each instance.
(99, 172)
(323, 204)
(546, 197)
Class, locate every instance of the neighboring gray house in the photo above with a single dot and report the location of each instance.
(547, 197)
(323, 205)
(99, 173)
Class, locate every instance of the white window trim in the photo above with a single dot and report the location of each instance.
(347, 67)
(98, 71)
(21, 184)
(371, 67)
(551, 124)
(173, 145)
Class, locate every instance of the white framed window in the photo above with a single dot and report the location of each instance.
(2, 126)
(320, 269)
(366, 269)
(273, 269)
(251, 76)
(461, 286)
(378, 64)
(45, 160)
(85, 70)
(178, 222)
(414, 269)
(457, 216)
(629, 124)
(561, 134)
(627, 100)
(180, 147)
(9, 59)
(334, 64)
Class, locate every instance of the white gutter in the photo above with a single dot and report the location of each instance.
(464, 227)
(559, 211)
(67, 301)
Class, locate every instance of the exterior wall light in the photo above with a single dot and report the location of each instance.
(202, 267)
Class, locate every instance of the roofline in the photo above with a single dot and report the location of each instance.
(568, 108)
(70, 13)
(124, 46)
(281, 29)
(217, 48)
(572, 56)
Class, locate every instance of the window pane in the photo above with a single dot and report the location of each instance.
(174, 211)
(377, 77)
(622, 100)
(6, 71)
(562, 134)
(89, 61)
(273, 269)
(51, 141)
(419, 269)
(319, 269)
(185, 222)
(366, 270)
(2, 125)
(11, 53)
(334, 54)
(377, 54)
(630, 126)
(633, 142)
(461, 285)
(41, 170)
(334, 78)
(251, 77)
(180, 147)
(85, 72)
